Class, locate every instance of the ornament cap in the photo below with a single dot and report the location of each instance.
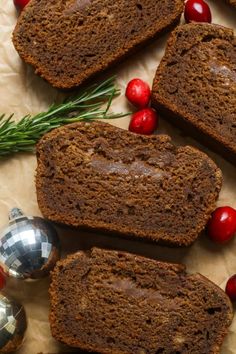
(15, 213)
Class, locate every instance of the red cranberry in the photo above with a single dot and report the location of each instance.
(2, 278)
(138, 93)
(20, 4)
(231, 288)
(222, 225)
(144, 121)
(197, 11)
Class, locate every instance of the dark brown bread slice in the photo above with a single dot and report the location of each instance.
(101, 177)
(114, 302)
(68, 41)
(195, 85)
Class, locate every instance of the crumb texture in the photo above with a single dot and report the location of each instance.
(67, 41)
(97, 176)
(113, 302)
(196, 82)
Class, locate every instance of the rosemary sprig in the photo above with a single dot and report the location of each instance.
(24, 134)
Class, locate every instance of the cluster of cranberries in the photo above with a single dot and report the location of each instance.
(145, 120)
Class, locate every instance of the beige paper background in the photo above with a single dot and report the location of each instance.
(22, 92)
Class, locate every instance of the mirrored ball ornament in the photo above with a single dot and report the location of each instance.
(12, 324)
(29, 246)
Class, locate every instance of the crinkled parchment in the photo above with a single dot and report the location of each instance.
(22, 92)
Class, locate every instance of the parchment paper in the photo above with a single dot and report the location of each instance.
(22, 92)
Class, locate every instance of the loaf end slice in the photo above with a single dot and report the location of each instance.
(114, 302)
(195, 85)
(103, 178)
(68, 41)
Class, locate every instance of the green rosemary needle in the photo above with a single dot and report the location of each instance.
(24, 134)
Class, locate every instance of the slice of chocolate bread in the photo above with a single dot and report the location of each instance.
(68, 41)
(195, 85)
(101, 177)
(114, 302)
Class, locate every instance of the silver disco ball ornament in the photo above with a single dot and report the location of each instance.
(12, 324)
(29, 246)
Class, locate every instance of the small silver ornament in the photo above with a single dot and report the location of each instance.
(29, 246)
(12, 324)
